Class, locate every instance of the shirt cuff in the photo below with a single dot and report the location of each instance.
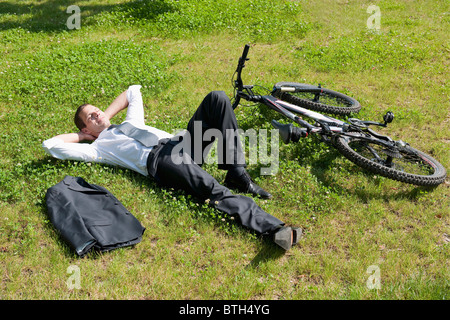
(132, 90)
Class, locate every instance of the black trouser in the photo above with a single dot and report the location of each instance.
(215, 112)
(215, 115)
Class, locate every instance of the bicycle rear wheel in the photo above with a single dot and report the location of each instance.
(401, 163)
(316, 98)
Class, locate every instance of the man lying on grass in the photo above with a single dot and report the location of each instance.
(158, 155)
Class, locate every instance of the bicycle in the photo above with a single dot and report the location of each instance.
(353, 138)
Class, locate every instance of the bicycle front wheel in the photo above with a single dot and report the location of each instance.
(316, 98)
(401, 163)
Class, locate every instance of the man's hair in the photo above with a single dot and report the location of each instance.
(77, 119)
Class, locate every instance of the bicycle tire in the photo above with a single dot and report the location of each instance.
(414, 167)
(305, 95)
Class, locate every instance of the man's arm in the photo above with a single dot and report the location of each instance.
(66, 147)
(120, 103)
(75, 137)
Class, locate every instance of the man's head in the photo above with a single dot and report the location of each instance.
(91, 120)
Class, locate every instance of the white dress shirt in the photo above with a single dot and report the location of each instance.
(112, 146)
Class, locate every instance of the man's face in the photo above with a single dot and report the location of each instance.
(94, 119)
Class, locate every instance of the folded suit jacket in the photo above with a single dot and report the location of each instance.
(88, 216)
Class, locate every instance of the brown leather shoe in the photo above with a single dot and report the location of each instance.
(244, 183)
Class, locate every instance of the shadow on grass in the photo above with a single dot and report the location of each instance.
(52, 16)
(269, 251)
(46, 16)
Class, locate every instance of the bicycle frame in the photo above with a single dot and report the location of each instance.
(291, 111)
(327, 126)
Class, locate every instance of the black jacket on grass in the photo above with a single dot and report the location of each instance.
(89, 216)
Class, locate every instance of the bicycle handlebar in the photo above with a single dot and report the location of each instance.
(238, 84)
(243, 58)
(241, 65)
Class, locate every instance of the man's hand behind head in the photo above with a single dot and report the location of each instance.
(86, 136)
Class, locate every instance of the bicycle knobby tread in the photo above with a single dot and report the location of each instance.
(353, 105)
(437, 178)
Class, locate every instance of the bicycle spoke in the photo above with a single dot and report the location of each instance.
(405, 160)
(374, 153)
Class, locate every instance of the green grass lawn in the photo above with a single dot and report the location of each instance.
(178, 51)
